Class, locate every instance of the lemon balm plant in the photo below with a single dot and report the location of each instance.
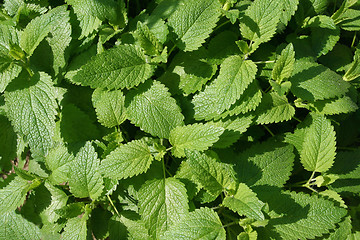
(179, 119)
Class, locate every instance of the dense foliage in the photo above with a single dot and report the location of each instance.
(179, 119)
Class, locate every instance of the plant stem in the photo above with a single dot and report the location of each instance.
(164, 169)
(268, 129)
(297, 119)
(353, 41)
(112, 204)
(222, 24)
(264, 62)
(230, 224)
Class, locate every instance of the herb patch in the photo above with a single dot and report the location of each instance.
(179, 119)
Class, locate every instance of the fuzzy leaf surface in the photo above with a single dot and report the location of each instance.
(299, 215)
(58, 161)
(13, 195)
(274, 108)
(212, 175)
(38, 29)
(202, 223)
(193, 22)
(162, 203)
(194, 137)
(127, 160)
(32, 108)
(234, 77)
(318, 149)
(124, 66)
(284, 64)
(152, 108)
(267, 163)
(260, 21)
(14, 226)
(109, 107)
(313, 81)
(245, 202)
(85, 179)
(75, 229)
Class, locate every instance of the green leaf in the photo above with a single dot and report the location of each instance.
(12, 6)
(109, 107)
(85, 179)
(124, 227)
(126, 67)
(127, 160)
(13, 195)
(325, 34)
(193, 137)
(8, 142)
(105, 9)
(58, 161)
(318, 149)
(76, 125)
(354, 70)
(151, 108)
(343, 230)
(9, 36)
(273, 109)
(147, 40)
(39, 28)
(289, 8)
(156, 25)
(8, 70)
(193, 22)
(268, 163)
(31, 109)
(58, 200)
(249, 101)
(60, 38)
(76, 229)
(338, 58)
(202, 223)
(284, 64)
(91, 13)
(349, 173)
(189, 71)
(212, 175)
(260, 21)
(234, 127)
(312, 81)
(336, 106)
(14, 226)
(245, 202)
(221, 46)
(350, 19)
(7, 75)
(235, 76)
(162, 203)
(296, 215)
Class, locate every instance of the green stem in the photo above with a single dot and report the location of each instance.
(112, 204)
(264, 62)
(268, 129)
(164, 169)
(169, 173)
(230, 217)
(297, 119)
(4, 15)
(221, 25)
(230, 224)
(353, 41)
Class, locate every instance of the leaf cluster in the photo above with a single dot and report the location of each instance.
(179, 119)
